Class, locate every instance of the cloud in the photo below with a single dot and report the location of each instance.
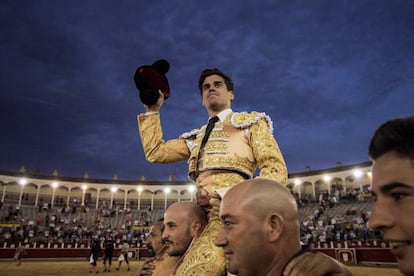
(327, 73)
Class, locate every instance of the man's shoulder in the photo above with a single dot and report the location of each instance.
(246, 119)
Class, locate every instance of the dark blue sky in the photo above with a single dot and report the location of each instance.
(327, 72)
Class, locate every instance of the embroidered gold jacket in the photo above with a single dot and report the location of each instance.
(241, 143)
(236, 147)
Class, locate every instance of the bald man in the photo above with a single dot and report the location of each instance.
(183, 222)
(185, 226)
(260, 232)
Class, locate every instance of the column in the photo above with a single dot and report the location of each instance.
(68, 197)
(37, 196)
(166, 192)
(4, 192)
(125, 198)
(113, 190)
(23, 183)
(139, 190)
(54, 186)
(191, 189)
(84, 187)
(97, 198)
(313, 191)
(152, 201)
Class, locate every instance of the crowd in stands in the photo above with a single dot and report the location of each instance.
(332, 217)
(73, 225)
(336, 217)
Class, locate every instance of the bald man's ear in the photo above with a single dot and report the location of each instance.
(274, 223)
(196, 229)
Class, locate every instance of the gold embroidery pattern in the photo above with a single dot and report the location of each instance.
(219, 134)
(220, 154)
(155, 148)
(271, 162)
(224, 180)
(215, 147)
(204, 257)
(236, 163)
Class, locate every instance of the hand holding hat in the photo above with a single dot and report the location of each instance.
(149, 79)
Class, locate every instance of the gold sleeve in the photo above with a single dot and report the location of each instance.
(269, 158)
(155, 148)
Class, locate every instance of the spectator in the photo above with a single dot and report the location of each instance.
(392, 151)
(260, 233)
(124, 255)
(19, 253)
(94, 254)
(154, 241)
(161, 263)
(109, 251)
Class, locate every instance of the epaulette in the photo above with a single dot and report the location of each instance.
(246, 119)
(193, 133)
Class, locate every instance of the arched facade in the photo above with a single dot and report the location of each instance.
(35, 190)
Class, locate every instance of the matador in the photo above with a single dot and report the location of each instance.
(241, 146)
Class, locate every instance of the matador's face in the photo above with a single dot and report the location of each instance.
(215, 95)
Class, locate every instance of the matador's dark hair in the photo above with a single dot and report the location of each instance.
(208, 72)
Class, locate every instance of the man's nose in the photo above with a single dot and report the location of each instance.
(220, 238)
(381, 216)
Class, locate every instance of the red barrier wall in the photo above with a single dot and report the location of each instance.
(351, 255)
(356, 255)
(67, 253)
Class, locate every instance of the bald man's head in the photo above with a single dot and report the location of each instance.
(264, 195)
(260, 227)
(189, 210)
(183, 221)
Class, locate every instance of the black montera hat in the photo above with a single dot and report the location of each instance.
(151, 78)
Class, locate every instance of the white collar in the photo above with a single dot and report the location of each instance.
(223, 114)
